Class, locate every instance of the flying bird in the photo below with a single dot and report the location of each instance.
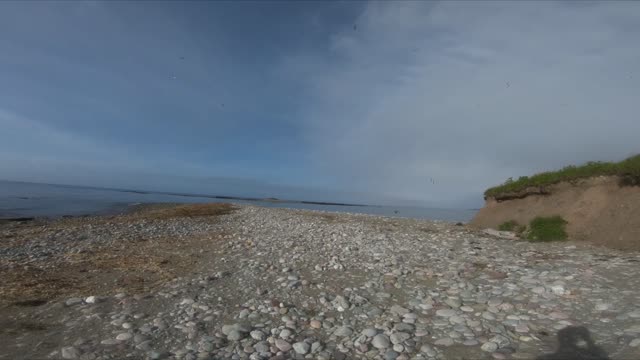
(355, 27)
(508, 85)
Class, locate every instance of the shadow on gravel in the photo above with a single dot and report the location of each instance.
(575, 343)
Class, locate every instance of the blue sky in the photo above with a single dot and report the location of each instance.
(325, 100)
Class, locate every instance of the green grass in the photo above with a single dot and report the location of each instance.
(628, 170)
(543, 229)
(510, 225)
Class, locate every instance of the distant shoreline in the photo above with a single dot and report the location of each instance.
(26, 199)
(220, 197)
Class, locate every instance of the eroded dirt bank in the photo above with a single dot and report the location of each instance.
(598, 211)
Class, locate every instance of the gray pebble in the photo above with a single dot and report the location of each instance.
(301, 348)
(380, 341)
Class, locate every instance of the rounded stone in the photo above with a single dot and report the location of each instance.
(315, 324)
(399, 337)
(73, 301)
(235, 335)
(282, 345)
(390, 355)
(301, 348)
(124, 336)
(257, 335)
(445, 312)
(261, 347)
(454, 303)
(369, 332)
(381, 341)
(488, 316)
(489, 346)
(285, 333)
(343, 331)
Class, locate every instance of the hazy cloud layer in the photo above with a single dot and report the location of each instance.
(470, 93)
(426, 101)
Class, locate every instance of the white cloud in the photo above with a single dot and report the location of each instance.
(472, 93)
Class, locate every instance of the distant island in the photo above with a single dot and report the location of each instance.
(241, 198)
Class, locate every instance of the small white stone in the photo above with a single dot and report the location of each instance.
(124, 336)
(558, 289)
(445, 312)
(70, 352)
(285, 333)
(489, 346)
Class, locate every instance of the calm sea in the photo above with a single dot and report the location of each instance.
(18, 199)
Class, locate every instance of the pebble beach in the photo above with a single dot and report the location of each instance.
(265, 283)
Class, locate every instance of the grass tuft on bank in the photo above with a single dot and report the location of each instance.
(545, 229)
(628, 170)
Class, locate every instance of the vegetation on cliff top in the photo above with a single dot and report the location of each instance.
(628, 170)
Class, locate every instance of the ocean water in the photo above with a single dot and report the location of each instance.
(19, 199)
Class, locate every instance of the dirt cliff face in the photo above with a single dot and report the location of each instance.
(598, 210)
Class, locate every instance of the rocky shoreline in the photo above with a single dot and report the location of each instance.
(266, 283)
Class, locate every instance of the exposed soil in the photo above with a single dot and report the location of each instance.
(598, 210)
